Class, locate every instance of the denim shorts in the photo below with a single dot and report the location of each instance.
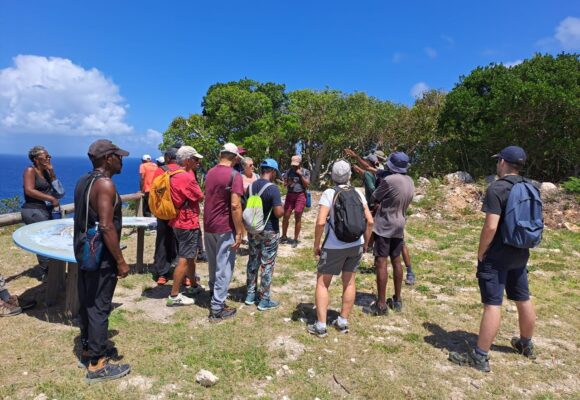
(493, 280)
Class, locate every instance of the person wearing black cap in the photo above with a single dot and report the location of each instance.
(98, 205)
(501, 266)
(393, 196)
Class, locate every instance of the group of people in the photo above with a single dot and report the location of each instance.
(347, 225)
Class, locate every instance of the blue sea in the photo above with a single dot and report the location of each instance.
(68, 170)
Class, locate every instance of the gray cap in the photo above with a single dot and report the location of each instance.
(341, 172)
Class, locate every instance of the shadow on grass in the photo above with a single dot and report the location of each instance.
(32, 272)
(455, 340)
(306, 312)
(111, 352)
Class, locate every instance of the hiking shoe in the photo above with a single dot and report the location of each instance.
(472, 359)
(224, 313)
(193, 290)
(284, 240)
(108, 372)
(179, 300)
(340, 328)
(161, 280)
(526, 351)
(9, 310)
(410, 279)
(201, 257)
(295, 243)
(375, 310)
(395, 305)
(23, 303)
(313, 329)
(250, 299)
(266, 305)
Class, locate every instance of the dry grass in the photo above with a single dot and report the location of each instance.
(399, 356)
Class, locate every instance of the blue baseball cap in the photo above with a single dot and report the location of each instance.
(270, 163)
(398, 162)
(512, 154)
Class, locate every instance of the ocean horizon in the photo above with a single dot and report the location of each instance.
(68, 169)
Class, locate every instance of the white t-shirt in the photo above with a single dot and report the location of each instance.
(332, 241)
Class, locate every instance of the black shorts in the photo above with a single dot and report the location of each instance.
(387, 247)
(492, 282)
(187, 240)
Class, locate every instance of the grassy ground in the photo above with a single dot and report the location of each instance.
(270, 355)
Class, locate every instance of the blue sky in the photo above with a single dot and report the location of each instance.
(74, 71)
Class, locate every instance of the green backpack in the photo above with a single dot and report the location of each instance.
(253, 215)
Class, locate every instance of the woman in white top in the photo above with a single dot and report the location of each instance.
(335, 256)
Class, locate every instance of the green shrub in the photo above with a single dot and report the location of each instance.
(572, 185)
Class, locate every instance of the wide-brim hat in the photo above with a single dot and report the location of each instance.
(398, 162)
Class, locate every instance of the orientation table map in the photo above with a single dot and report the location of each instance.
(54, 238)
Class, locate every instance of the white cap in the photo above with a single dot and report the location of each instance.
(146, 157)
(230, 148)
(187, 152)
(341, 172)
(160, 160)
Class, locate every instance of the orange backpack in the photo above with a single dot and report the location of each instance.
(160, 202)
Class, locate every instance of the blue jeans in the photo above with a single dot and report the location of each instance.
(221, 260)
(263, 251)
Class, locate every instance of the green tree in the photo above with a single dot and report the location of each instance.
(535, 105)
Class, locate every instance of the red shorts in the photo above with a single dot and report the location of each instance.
(295, 201)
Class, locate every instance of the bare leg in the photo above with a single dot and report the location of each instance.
(526, 318)
(191, 270)
(489, 326)
(382, 278)
(406, 256)
(297, 224)
(286, 222)
(321, 296)
(348, 293)
(178, 275)
(397, 275)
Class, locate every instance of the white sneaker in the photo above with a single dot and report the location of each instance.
(179, 300)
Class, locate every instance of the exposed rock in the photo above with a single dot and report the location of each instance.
(206, 378)
(418, 198)
(548, 187)
(311, 372)
(285, 370)
(41, 396)
(458, 178)
(291, 347)
(418, 216)
(136, 382)
(423, 181)
(491, 178)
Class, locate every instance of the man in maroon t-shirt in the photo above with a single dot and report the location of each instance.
(186, 195)
(222, 223)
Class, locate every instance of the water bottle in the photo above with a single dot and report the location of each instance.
(56, 213)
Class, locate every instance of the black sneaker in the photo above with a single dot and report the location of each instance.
(284, 240)
(108, 372)
(224, 313)
(313, 329)
(410, 279)
(526, 351)
(295, 243)
(375, 310)
(340, 328)
(202, 257)
(396, 306)
(472, 359)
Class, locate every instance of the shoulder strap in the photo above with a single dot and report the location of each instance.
(177, 171)
(164, 168)
(266, 186)
(97, 176)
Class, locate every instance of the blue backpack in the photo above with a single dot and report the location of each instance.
(523, 221)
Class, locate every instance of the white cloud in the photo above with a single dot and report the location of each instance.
(154, 136)
(398, 57)
(431, 52)
(510, 64)
(448, 39)
(568, 33)
(41, 95)
(419, 89)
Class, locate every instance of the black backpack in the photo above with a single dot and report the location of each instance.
(349, 215)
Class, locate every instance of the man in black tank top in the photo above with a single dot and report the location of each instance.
(96, 287)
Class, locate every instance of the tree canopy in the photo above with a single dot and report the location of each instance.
(535, 104)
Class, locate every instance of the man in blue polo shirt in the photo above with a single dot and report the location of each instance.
(501, 266)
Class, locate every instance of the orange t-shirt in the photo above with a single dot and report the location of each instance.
(147, 172)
